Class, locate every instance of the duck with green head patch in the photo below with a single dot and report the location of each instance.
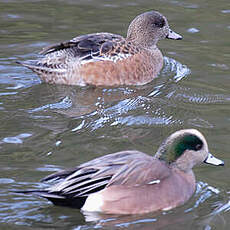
(132, 182)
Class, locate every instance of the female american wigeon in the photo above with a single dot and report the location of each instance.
(107, 59)
(131, 182)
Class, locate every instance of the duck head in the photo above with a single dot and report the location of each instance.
(150, 27)
(185, 149)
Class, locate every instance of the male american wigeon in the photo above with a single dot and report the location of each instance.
(107, 59)
(132, 182)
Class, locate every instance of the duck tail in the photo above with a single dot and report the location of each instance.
(41, 193)
(34, 66)
(46, 72)
(29, 63)
(74, 202)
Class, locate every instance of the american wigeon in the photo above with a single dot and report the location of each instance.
(107, 59)
(131, 182)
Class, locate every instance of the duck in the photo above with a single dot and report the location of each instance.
(132, 182)
(106, 59)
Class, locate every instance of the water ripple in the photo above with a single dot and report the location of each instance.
(16, 139)
(63, 104)
(191, 95)
(172, 66)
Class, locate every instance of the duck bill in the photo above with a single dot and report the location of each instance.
(213, 160)
(174, 35)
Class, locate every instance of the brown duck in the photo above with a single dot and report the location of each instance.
(107, 59)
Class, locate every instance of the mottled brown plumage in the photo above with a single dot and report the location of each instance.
(105, 58)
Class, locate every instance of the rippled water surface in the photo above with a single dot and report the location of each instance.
(44, 128)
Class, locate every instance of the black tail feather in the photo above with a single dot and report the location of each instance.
(73, 202)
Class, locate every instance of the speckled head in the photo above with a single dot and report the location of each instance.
(185, 149)
(147, 28)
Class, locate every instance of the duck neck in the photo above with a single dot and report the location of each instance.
(182, 166)
(142, 43)
(141, 39)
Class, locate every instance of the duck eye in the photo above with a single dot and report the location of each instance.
(160, 22)
(198, 147)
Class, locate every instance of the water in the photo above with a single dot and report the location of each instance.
(45, 128)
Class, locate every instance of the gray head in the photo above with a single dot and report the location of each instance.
(148, 28)
(185, 149)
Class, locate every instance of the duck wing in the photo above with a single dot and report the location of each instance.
(91, 176)
(81, 45)
(122, 168)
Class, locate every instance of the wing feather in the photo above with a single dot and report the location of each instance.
(82, 44)
(122, 168)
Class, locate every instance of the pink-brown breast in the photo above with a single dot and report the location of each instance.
(137, 69)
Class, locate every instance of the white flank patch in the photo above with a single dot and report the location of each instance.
(93, 203)
(154, 182)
